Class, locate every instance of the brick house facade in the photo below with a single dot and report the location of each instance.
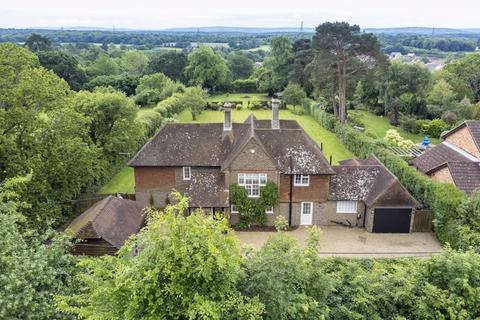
(457, 159)
(202, 161)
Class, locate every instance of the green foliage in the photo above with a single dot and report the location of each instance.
(278, 65)
(36, 42)
(111, 122)
(103, 66)
(181, 268)
(193, 98)
(393, 138)
(155, 87)
(464, 76)
(239, 65)
(65, 66)
(35, 266)
(123, 82)
(252, 210)
(206, 69)
(293, 95)
(287, 280)
(134, 62)
(281, 223)
(170, 62)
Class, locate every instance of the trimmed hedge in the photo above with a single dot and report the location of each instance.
(450, 223)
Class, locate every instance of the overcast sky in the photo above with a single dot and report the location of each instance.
(157, 14)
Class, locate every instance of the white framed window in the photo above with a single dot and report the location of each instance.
(346, 206)
(307, 207)
(269, 210)
(233, 209)
(187, 173)
(252, 183)
(301, 180)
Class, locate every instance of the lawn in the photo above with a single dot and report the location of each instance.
(122, 182)
(379, 125)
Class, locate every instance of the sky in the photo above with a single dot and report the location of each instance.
(159, 14)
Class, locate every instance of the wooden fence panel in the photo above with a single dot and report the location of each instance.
(422, 221)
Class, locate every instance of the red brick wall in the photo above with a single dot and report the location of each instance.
(316, 191)
(154, 178)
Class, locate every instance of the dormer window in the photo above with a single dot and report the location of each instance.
(187, 173)
(301, 180)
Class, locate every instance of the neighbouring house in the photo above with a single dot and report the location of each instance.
(202, 161)
(105, 226)
(457, 159)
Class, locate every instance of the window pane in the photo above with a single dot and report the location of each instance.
(263, 179)
(346, 206)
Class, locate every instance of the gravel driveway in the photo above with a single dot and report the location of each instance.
(357, 242)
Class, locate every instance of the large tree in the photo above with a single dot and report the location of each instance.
(176, 268)
(36, 42)
(194, 98)
(65, 66)
(169, 62)
(111, 122)
(346, 52)
(464, 76)
(240, 65)
(206, 69)
(279, 63)
(35, 266)
(134, 62)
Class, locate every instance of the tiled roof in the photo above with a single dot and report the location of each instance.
(207, 189)
(437, 156)
(364, 180)
(204, 145)
(466, 175)
(474, 128)
(112, 219)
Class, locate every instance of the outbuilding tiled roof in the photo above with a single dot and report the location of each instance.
(112, 219)
(206, 145)
(437, 156)
(466, 175)
(364, 180)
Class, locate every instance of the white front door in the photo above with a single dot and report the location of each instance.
(306, 213)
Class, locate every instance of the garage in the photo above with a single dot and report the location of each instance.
(392, 220)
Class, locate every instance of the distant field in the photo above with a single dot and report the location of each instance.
(379, 125)
(123, 182)
(265, 48)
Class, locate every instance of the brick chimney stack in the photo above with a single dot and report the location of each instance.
(275, 116)
(227, 123)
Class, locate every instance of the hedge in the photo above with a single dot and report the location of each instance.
(445, 199)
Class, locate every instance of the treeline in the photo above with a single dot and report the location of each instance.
(401, 43)
(139, 38)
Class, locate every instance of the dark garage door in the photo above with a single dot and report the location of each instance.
(392, 220)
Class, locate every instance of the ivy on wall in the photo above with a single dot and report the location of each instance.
(252, 210)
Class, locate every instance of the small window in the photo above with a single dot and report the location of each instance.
(307, 207)
(187, 173)
(269, 210)
(346, 206)
(301, 180)
(233, 209)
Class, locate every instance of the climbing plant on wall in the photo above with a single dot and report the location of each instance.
(252, 210)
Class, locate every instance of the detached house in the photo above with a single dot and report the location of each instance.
(202, 161)
(457, 159)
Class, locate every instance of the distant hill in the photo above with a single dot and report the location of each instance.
(239, 30)
(422, 31)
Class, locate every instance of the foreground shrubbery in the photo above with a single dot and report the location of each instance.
(453, 223)
(193, 268)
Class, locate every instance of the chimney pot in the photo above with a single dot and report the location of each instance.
(275, 112)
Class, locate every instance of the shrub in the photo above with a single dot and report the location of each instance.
(393, 138)
(449, 117)
(245, 85)
(436, 127)
(281, 223)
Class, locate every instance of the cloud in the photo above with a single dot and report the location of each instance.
(151, 14)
